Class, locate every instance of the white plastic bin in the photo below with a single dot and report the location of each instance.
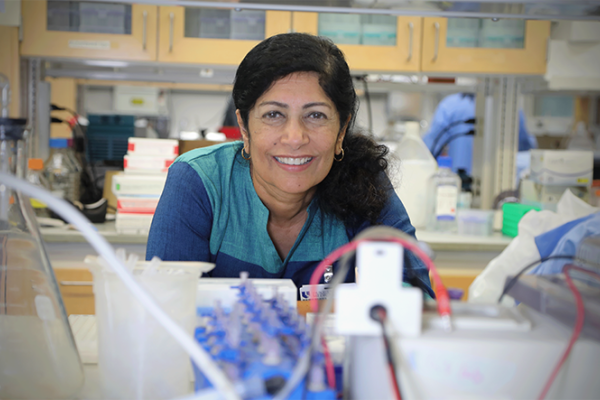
(137, 357)
(475, 222)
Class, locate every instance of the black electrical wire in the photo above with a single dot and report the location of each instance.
(515, 278)
(450, 139)
(378, 313)
(92, 168)
(446, 129)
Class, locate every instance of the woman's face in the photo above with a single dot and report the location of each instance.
(294, 132)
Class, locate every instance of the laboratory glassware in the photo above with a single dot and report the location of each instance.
(62, 174)
(38, 355)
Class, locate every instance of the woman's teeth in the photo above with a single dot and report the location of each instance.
(293, 161)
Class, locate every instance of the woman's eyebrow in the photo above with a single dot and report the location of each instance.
(273, 103)
(308, 105)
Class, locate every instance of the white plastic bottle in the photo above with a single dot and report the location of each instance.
(416, 166)
(445, 188)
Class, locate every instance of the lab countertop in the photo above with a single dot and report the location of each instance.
(437, 240)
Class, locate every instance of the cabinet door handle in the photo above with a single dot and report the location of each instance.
(171, 17)
(145, 26)
(436, 45)
(410, 40)
(76, 283)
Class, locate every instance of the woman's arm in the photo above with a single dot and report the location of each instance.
(182, 223)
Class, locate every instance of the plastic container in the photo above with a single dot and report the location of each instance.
(38, 357)
(137, 204)
(416, 167)
(475, 222)
(133, 223)
(36, 176)
(137, 357)
(147, 164)
(152, 147)
(444, 189)
(123, 184)
(62, 174)
(511, 215)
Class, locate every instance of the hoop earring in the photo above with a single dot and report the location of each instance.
(341, 158)
(243, 156)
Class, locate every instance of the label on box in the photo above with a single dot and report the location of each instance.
(446, 201)
(322, 292)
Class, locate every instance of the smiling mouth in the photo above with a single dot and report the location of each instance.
(294, 161)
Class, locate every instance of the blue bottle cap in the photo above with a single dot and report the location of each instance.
(444, 162)
(58, 143)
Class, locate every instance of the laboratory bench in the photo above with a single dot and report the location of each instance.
(459, 258)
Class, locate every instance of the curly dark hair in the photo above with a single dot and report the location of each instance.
(356, 188)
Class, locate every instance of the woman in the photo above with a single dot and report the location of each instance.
(301, 184)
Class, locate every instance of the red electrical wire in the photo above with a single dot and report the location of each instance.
(388, 351)
(329, 368)
(395, 382)
(578, 324)
(443, 300)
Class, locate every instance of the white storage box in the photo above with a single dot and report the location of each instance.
(211, 289)
(562, 167)
(124, 184)
(475, 222)
(147, 164)
(137, 204)
(153, 147)
(131, 223)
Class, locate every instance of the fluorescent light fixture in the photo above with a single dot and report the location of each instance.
(105, 63)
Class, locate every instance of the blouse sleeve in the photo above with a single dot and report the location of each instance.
(181, 226)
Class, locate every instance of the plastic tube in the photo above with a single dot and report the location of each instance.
(104, 249)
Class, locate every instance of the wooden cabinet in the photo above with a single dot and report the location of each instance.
(437, 56)
(175, 46)
(10, 66)
(404, 56)
(76, 288)
(457, 278)
(66, 33)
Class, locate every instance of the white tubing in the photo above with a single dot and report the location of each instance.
(74, 217)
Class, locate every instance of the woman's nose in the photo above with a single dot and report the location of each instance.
(295, 134)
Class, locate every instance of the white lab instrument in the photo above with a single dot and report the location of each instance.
(493, 351)
(562, 167)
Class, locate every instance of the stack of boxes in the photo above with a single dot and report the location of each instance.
(139, 187)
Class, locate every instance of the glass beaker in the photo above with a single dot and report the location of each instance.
(38, 356)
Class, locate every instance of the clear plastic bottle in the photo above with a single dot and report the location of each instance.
(35, 175)
(416, 166)
(445, 188)
(61, 172)
(38, 356)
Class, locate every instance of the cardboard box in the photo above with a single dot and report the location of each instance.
(187, 145)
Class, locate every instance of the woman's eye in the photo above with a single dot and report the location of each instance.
(272, 115)
(317, 115)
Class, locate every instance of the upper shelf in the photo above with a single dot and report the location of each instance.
(522, 9)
